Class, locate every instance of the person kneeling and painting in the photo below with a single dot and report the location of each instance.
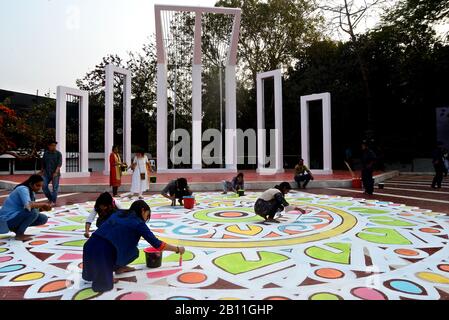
(235, 185)
(273, 201)
(176, 189)
(104, 207)
(20, 210)
(114, 245)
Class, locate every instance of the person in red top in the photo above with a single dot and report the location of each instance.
(116, 167)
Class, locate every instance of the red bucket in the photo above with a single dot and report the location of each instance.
(153, 257)
(356, 183)
(189, 202)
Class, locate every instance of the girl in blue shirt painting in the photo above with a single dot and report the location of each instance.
(20, 210)
(114, 245)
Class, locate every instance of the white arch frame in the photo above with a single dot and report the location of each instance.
(110, 71)
(261, 132)
(327, 132)
(61, 129)
(230, 94)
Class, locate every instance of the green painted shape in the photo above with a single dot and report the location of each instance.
(85, 294)
(235, 263)
(203, 215)
(337, 204)
(68, 228)
(299, 199)
(187, 256)
(390, 221)
(78, 219)
(76, 243)
(3, 250)
(174, 257)
(365, 210)
(383, 236)
(324, 296)
(343, 257)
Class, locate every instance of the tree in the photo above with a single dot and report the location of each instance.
(347, 15)
(8, 120)
(271, 31)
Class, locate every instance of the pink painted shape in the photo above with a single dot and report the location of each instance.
(6, 258)
(135, 296)
(368, 294)
(163, 273)
(163, 216)
(51, 237)
(70, 256)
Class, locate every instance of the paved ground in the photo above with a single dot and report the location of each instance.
(393, 245)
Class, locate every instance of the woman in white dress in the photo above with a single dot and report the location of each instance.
(140, 178)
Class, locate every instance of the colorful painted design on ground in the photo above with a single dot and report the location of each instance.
(343, 248)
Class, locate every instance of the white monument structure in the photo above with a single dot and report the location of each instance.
(230, 89)
(110, 71)
(62, 94)
(276, 161)
(327, 133)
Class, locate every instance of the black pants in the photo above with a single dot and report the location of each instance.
(267, 209)
(304, 177)
(438, 178)
(368, 181)
(179, 194)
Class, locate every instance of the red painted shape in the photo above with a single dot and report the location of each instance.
(162, 273)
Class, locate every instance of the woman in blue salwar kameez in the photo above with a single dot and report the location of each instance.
(114, 245)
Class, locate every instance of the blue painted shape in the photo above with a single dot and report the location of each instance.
(11, 268)
(406, 286)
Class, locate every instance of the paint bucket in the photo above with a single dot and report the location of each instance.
(153, 179)
(153, 257)
(381, 185)
(189, 202)
(241, 192)
(356, 183)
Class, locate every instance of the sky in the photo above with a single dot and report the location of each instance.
(46, 43)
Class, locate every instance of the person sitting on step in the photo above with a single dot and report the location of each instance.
(302, 173)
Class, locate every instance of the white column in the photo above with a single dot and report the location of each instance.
(161, 117)
(327, 131)
(108, 117)
(261, 133)
(278, 165)
(84, 133)
(231, 118)
(61, 123)
(83, 129)
(196, 97)
(305, 154)
(127, 120)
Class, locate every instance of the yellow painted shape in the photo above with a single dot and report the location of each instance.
(433, 277)
(28, 277)
(349, 221)
(252, 230)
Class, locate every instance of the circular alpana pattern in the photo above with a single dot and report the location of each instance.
(343, 248)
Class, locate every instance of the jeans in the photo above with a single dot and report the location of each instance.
(51, 196)
(304, 177)
(26, 219)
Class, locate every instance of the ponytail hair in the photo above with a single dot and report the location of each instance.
(137, 206)
(33, 179)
